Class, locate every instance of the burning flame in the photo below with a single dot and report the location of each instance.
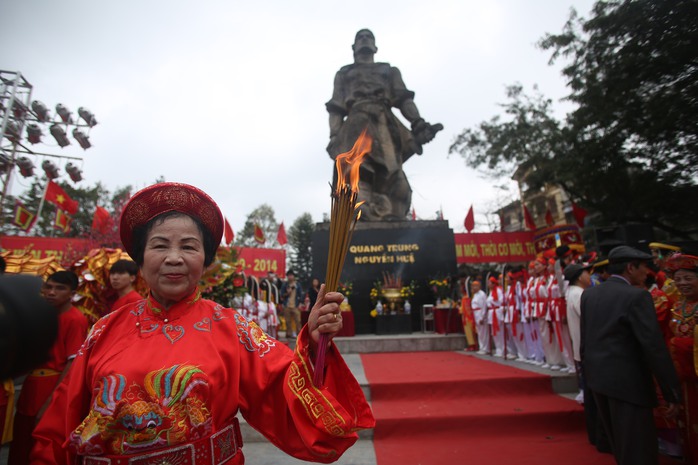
(353, 159)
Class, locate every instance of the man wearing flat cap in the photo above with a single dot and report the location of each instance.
(622, 349)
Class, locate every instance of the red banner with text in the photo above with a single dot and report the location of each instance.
(497, 247)
(66, 250)
(258, 262)
(254, 261)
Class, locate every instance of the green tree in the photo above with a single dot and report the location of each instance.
(264, 217)
(633, 72)
(301, 253)
(629, 150)
(529, 139)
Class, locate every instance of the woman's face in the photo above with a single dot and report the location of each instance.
(173, 259)
(687, 283)
(539, 268)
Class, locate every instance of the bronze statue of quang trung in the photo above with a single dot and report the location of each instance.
(364, 94)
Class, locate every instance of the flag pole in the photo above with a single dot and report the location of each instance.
(41, 204)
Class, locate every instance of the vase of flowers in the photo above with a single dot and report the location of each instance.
(440, 288)
(346, 289)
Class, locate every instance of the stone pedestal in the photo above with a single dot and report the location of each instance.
(393, 324)
(410, 250)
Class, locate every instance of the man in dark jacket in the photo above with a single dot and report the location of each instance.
(622, 349)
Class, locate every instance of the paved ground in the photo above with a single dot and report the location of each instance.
(259, 453)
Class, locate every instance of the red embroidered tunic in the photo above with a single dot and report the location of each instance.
(683, 326)
(148, 378)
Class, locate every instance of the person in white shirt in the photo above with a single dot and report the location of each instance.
(578, 277)
(479, 306)
(495, 315)
(550, 332)
(530, 325)
(538, 294)
(514, 317)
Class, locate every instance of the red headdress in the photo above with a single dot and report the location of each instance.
(516, 274)
(165, 197)
(680, 261)
(495, 281)
(549, 253)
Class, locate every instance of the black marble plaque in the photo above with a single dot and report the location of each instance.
(410, 250)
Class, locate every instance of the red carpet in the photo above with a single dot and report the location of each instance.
(438, 408)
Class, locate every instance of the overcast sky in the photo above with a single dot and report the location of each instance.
(229, 96)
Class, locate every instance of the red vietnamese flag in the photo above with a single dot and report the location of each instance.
(549, 217)
(579, 214)
(281, 235)
(57, 196)
(469, 222)
(228, 231)
(101, 220)
(528, 219)
(259, 234)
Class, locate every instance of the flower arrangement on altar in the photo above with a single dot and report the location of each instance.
(346, 289)
(390, 296)
(376, 292)
(407, 292)
(440, 287)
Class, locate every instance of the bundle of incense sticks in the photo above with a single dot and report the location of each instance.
(343, 217)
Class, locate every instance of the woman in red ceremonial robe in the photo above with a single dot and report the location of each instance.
(161, 380)
(682, 346)
(667, 429)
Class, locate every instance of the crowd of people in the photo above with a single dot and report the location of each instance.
(276, 305)
(624, 325)
(522, 313)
